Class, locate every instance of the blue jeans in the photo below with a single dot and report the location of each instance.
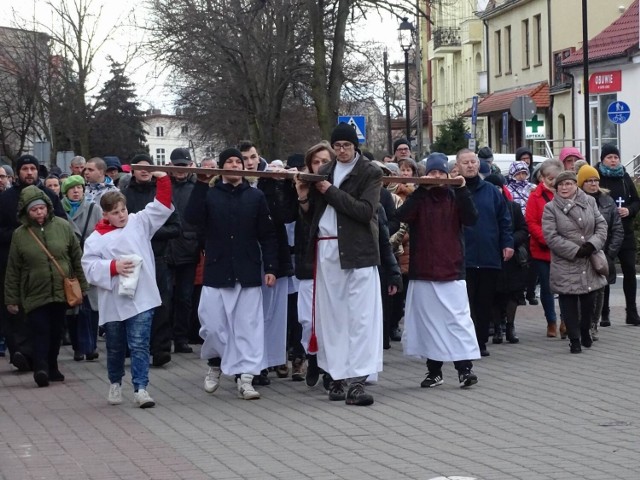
(136, 332)
(546, 297)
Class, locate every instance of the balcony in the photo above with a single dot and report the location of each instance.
(471, 31)
(446, 39)
(432, 53)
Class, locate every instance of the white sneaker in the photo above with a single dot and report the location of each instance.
(115, 394)
(245, 389)
(143, 399)
(212, 380)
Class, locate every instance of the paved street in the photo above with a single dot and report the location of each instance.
(538, 413)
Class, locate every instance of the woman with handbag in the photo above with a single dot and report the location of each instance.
(44, 263)
(83, 216)
(574, 230)
(589, 182)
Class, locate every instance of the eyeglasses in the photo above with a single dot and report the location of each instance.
(342, 146)
(403, 149)
(593, 181)
(566, 183)
(3, 176)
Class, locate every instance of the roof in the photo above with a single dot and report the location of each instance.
(501, 101)
(617, 40)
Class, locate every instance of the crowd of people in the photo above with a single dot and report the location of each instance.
(312, 279)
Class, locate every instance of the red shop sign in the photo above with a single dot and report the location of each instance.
(605, 82)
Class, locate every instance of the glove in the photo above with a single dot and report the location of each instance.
(585, 250)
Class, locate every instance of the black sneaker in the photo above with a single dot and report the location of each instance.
(20, 362)
(313, 374)
(467, 378)
(357, 396)
(336, 391)
(42, 378)
(432, 380)
(586, 340)
(574, 346)
(262, 379)
(161, 358)
(326, 382)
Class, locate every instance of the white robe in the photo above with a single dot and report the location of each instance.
(437, 322)
(305, 299)
(274, 302)
(232, 327)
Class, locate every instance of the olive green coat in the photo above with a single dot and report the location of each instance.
(32, 280)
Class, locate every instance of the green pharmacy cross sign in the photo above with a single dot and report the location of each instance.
(535, 128)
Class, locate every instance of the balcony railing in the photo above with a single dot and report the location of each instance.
(446, 37)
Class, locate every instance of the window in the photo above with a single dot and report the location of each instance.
(159, 131)
(602, 130)
(160, 158)
(498, 55)
(559, 77)
(185, 130)
(525, 44)
(537, 39)
(507, 40)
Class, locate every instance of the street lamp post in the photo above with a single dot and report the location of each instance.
(405, 36)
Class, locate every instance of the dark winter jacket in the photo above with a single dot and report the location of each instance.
(390, 274)
(389, 205)
(492, 232)
(240, 236)
(282, 200)
(624, 189)
(303, 269)
(138, 196)
(615, 230)
(185, 248)
(32, 280)
(356, 204)
(513, 277)
(436, 217)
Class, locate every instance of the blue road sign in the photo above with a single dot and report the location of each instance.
(618, 112)
(505, 128)
(474, 110)
(359, 122)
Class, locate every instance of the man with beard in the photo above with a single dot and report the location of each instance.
(13, 326)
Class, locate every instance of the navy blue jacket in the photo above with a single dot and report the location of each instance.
(238, 230)
(492, 232)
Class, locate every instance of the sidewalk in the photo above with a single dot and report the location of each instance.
(537, 413)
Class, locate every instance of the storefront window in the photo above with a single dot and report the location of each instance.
(603, 130)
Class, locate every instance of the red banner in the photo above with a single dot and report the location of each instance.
(605, 82)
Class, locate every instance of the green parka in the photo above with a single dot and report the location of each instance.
(32, 280)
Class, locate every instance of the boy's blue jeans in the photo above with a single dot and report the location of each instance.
(136, 332)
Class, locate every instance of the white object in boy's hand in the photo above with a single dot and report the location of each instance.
(127, 284)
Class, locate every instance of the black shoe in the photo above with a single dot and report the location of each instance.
(510, 334)
(483, 351)
(91, 356)
(574, 346)
(586, 340)
(336, 391)
(160, 359)
(357, 396)
(262, 379)
(385, 344)
(78, 357)
(42, 378)
(467, 378)
(182, 347)
(497, 334)
(432, 380)
(313, 372)
(605, 322)
(521, 302)
(533, 301)
(396, 335)
(632, 317)
(21, 362)
(326, 382)
(56, 376)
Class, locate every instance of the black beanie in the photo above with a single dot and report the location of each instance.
(608, 149)
(344, 133)
(485, 153)
(141, 157)
(25, 159)
(400, 141)
(227, 154)
(295, 160)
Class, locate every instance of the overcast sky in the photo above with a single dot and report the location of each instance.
(149, 81)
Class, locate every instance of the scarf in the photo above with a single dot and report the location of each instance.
(473, 182)
(611, 172)
(70, 206)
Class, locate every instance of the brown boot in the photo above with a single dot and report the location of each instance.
(563, 330)
(552, 330)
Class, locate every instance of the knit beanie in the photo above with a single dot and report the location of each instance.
(570, 152)
(565, 175)
(228, 153)
(437, 161)
(71, 182)
(295, 160)
(495, 179)
(8, 170)
(113, 162)
(485, 153)
(585, 173)
(27, 159)
(400, 141)
(607, 149)
(35, 203)
(344, 133)
(141, 157)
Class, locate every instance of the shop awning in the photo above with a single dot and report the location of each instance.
(498, 102)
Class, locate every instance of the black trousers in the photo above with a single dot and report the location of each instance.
(294, 329)
(47, 325)
(435, 366)
(181, 287)
(161, 330)
(577, 312)
(16, 330)
(481, 290)
(627, 257)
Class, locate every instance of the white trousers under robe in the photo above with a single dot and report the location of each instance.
(274, 301)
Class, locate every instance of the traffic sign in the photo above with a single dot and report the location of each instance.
(618, 112)
(523, 108)
(359, 122)
(474, 110)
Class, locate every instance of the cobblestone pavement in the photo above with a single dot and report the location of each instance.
(537, 413)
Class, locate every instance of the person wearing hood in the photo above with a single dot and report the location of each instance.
(615, 178)
(16, 333)
(524, 154)
(34, 285)
(569, 156)
(485, 155)
(518, 184)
